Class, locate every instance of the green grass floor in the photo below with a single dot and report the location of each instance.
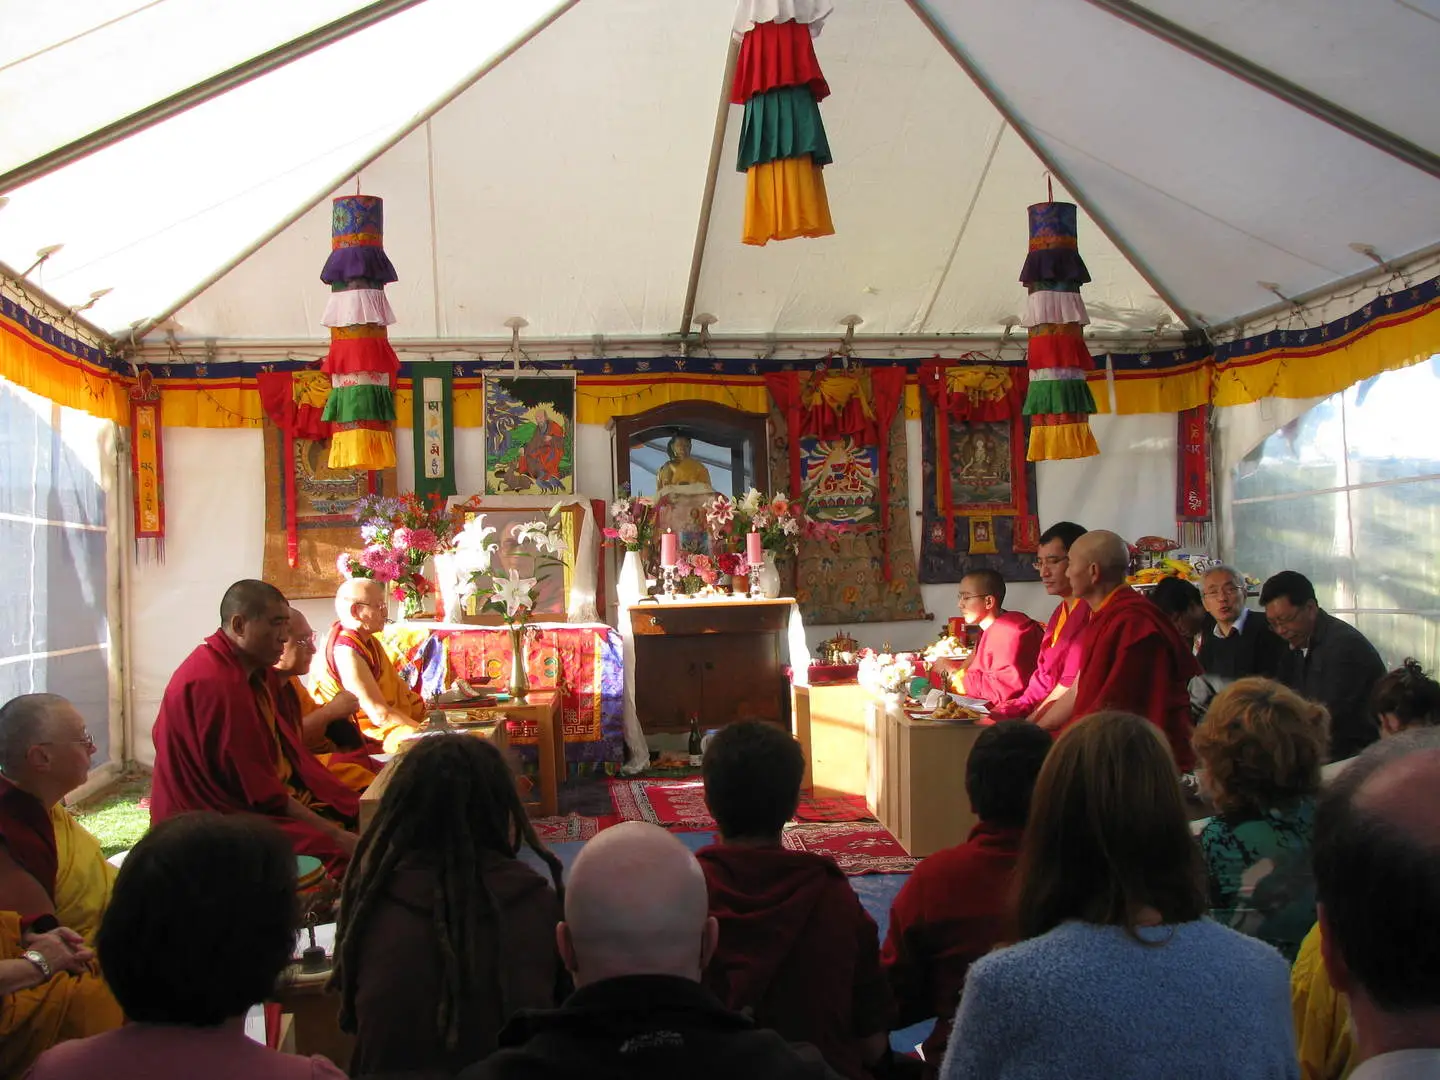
(115, 816)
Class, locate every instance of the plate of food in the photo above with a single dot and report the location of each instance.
(464, 692)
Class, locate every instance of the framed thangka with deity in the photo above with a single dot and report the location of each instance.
(529, 423)
(840, 481)
(979, 491)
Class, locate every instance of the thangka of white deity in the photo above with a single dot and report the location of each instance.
(840, 481)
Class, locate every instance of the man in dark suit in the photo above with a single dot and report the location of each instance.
(1241, 643)
(1330, 661)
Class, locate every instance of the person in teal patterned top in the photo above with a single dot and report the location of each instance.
(1259, 752)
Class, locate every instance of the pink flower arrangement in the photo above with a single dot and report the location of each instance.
(398, 534)
(634, 518)
(418, 540)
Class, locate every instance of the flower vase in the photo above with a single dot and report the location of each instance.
(769, 577)
(411, 605)
(630, 587)
(519, 674)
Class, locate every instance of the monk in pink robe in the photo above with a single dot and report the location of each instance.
(1009, 642)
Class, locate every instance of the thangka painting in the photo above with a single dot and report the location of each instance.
(530, 434)
(322, 501)
(992, 492)
(840, 481)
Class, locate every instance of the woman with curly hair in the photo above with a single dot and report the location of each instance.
(444, 933)
(1259, 751)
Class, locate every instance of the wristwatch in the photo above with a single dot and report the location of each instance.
(36, 957)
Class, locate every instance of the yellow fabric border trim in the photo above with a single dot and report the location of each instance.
(1170, 392)
(67, 380)
(1381, 345)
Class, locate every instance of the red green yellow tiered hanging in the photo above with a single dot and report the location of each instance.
(361, 363)
(1059, 403)
(782, 141)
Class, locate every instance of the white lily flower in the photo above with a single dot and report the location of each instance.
(514, 592)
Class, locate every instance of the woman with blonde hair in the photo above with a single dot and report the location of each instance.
(1259, 751)
(1119, 974)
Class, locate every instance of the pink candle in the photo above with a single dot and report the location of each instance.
(669, 548)
(754, 553)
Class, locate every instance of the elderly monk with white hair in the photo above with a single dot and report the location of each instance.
(1132, 658)
(636, 936)
(53, 879)
(354, 660)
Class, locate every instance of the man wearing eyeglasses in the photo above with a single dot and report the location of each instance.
(1329, 661)
(1059, 660)
(1009, 644)
(1241, 642)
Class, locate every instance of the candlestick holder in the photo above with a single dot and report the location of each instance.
(669, 580)
(756, 593)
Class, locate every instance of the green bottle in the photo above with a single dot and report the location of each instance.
(696, 750)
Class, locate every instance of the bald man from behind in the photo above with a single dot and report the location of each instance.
(637, 935)
(1132, 658)
(354, 660)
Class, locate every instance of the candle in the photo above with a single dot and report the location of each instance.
(669, 548)
(754, 553)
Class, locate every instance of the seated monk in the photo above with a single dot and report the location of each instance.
(356, 661)
(1059, 663)
(328, 731)
(1009, 646)
(1132, 659)
(52, 875)
(219, 744)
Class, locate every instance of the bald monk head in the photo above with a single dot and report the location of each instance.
(1099, 561)
(1377, 880)
(44, 747)
(360, 605)
(299, 651)
(255, 616)
(636, 904)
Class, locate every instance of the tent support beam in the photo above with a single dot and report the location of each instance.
(55, 313)
(707, 200)
(1022, 129)
(203, 91)
(1262, 78)
(144, 327)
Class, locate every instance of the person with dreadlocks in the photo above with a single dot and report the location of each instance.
(443, 932)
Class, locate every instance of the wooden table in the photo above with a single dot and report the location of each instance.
(316, 1013)
(542, 708)
(916, 782)
(829, 724)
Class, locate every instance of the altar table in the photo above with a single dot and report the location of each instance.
(583, 663)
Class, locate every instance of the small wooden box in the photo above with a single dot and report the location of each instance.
(917, 781)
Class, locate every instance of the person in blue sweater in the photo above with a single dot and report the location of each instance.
(1119, 974)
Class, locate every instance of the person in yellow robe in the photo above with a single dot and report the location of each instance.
(329, 730)
(356, 661)
(52, 875)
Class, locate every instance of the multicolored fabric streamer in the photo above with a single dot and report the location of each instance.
(361, 363)
(1059, 401)
(782, 139)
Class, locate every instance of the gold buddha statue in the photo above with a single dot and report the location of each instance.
(681, 468)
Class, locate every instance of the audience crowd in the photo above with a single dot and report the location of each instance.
(1189, 861)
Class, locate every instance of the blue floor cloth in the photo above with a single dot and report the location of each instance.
(876, 891)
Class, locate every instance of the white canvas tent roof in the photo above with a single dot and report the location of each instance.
(563, 175)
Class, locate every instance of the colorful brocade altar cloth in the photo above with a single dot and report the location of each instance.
(584, 661)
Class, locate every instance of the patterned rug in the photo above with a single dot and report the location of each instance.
(680, 805)
(857, 847)
(557, 830)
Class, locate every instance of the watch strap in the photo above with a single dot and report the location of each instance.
(36, 957)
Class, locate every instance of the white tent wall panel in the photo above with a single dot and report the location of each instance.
(1222, 160)
(215, 510)
(1330, 47)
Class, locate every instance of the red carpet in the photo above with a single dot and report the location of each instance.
(680, 804)
(858, 847)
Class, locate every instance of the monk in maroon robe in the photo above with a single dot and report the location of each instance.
(1009, 642)
(1133, 658)
(219, 744)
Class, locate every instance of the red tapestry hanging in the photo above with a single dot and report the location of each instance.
(295, 403)
(147, 460)
(1193, 510)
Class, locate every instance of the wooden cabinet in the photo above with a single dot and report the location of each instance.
(830, 724)
(916, 784)
(721, 660)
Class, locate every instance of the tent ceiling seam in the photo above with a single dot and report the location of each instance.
(707, 198)
(434, 231)
(144, 327)
(1102, 222)
(202, 91)
(1262, 78)
(964, 225)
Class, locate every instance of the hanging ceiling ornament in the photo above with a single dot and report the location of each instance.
(361, 363)
(1059, 403)
(782, 140)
